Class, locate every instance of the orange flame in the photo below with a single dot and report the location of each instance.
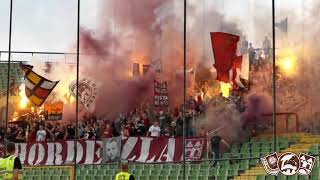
(225, 89)
(23, 98)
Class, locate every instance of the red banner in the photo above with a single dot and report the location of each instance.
(139, 149)
(162, 149)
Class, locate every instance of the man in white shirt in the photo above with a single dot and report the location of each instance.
(41, 134)
(154, 130)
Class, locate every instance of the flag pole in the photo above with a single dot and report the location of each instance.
(8, 73)
(274, 77)
(77, 92)
(184, 84)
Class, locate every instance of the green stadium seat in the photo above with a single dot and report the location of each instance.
(232, 172)
(99, 178)
(165, 171)
(37, 178)
(245, 152)
(261, 177)
(204, 172)
(196, 166)
(192, 178)
(194, 173)
(174, 172)
(137, 172)
(246, 155)
(222, 178)
(253, 162)
(156, 172)
(203, 177)
(167, 166)
(213, 172)
(270, 177)
(234, 166)
(300, 178)
(244, 164)
(295, 177)
(115, 167)
(155, 177)
(28, 177)
(223, 172)
(28, 173)
(172, 177)
(204, 166)
(144, 177)
(281, 177)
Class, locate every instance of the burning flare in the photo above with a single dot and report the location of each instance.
(288, 65)
(23, 98)
(287, 62)
(225, 89)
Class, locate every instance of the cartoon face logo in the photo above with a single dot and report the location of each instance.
(270, 163)
(112, 150)
(306, 164)
(288, 163)
(272, 160)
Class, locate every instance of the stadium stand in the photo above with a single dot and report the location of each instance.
(48, 173)
(241, 162)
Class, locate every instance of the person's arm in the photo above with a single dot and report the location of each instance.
(65, 135)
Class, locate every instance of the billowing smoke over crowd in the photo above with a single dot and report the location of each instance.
(144, 32)
(151, 32)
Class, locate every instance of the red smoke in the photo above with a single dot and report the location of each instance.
(110, 54)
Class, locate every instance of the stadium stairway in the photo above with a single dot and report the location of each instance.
(304, 143)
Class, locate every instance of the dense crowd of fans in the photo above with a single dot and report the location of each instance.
(138, 122)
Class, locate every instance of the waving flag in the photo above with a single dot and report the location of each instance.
(224, 47)
(37, 88)
(87, 92)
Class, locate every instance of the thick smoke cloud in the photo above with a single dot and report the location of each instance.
(143, 32)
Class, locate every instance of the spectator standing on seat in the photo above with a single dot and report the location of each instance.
(124, 174)
(215, 146)
(10, 164)
(266, 47)
(154, 130)
(41, 134)
(32, 134)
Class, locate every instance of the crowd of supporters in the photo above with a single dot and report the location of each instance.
(138, 122)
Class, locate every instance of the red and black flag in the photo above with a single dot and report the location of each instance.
(37, 88)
